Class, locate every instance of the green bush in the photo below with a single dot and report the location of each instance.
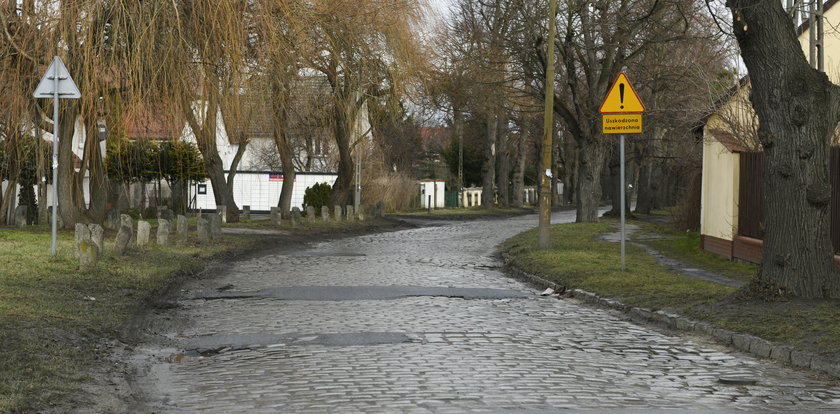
(317, 196)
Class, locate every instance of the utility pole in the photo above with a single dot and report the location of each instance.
(460, 131)
(543, 237)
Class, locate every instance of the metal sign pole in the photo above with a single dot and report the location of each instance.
(623, 234)
(56, 83)
(55, 163)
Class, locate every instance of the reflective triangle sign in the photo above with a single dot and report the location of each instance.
(66, 87)
(622, 98)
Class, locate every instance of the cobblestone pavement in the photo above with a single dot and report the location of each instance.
(435, 354)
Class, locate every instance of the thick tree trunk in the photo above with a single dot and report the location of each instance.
(488, 169)
(798, 110)
(588, 186)
(502, 165)
(341, 187)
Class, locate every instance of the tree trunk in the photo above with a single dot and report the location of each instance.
(798, 110)
(570, 169)
(648, 187)
(341, 187)
(488, 169)
(205, 136)
(502, 165)
(98, 182)
(588, 186)
(281, 140)
(518, 198)
(67, 199)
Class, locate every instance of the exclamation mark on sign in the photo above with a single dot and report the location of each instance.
(621, 94)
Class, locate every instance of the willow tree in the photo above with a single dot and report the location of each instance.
(88, 35)
(192, 58)
(365, 49)
(279, 60)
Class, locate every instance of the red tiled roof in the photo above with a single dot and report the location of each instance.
(158, 123)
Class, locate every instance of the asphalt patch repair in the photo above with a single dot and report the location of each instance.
(214, 344)
(346, 293)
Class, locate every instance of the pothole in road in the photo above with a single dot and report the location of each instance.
(738, 379)
(328, 254)
(215, 344)
(347, 293)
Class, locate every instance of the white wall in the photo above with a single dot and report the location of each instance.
(259, 190)
(434, 189)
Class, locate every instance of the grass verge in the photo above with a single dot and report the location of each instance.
(578, 259)
(55, 316)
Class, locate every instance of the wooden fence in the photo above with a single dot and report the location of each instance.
(750, 211)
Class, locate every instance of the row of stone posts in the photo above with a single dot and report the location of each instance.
(89, 237)
(90, 246)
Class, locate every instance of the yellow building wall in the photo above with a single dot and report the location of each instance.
(721, 170)
(831, 37)
(719, 198)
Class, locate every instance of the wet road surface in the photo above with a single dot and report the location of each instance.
(424, 321)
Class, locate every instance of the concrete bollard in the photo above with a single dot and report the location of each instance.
(379, 210)
(361, 213)
(21, 213)
(144, 231)
(351, 215)
(124, 235)
(96, 236)
(86, 250)
(338, 213)
(163, 230)
(112, 219)
(325, 214)
(82, 233)
(246, 212)
(203, 230)
(215, 221)
(183, 230)
(275, 214)
(295, 216)
(310, 214)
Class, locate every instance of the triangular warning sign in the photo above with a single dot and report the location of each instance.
(622, 98)
(66, 87)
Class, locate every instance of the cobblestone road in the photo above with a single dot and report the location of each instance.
(431, 353)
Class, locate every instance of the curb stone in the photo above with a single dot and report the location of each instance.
(750, 344)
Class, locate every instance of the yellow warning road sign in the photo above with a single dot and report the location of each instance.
(622, 124)
(622, 98)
